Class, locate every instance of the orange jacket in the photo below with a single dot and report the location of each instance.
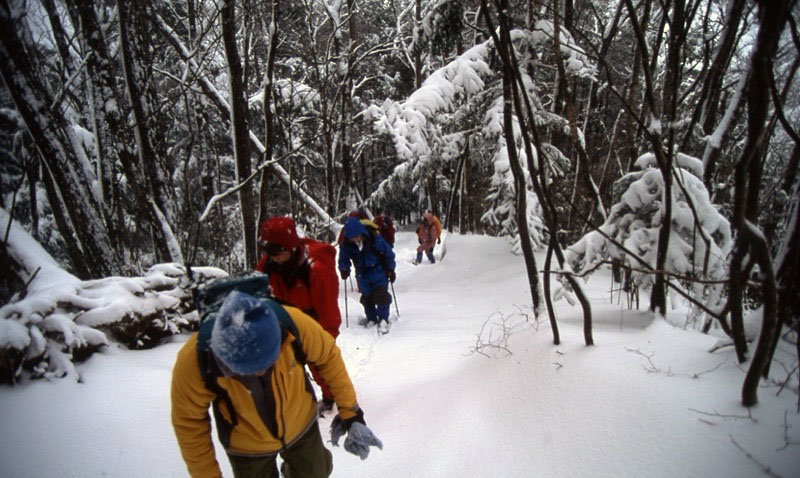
(428, 231)
(295, 408)
(438, 226)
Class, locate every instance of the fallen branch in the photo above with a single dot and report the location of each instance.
(716, 414)
(765, 468)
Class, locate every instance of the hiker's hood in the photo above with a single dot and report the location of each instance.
(354, 228)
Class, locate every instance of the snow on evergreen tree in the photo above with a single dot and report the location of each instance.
(700, 244)
(428, 128)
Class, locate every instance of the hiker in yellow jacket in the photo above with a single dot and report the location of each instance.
(273, 409)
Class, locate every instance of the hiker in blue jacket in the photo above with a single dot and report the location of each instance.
(373, 259)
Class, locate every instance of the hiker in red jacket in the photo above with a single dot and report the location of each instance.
(302, 273)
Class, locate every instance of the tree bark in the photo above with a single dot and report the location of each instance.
(269, 126)
(658, 297)
(346, 88)
(708, 105)
(520, 185)
(750, 241)
(56, 143)
(241, 141)
(156, 201)
(504, 47)
(530, 138)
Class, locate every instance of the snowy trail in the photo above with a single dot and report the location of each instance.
(648, 399)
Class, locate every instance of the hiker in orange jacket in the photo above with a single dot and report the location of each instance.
(302, 273)
(429, 233)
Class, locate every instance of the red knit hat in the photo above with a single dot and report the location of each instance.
(280, 230)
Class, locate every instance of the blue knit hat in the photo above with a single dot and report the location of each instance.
(246, 335)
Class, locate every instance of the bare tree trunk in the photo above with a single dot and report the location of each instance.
(456, 185)
(548, 298)
(520, 184)
(158, 202)
(750, 240)
(570, 108)
(346, 88)
(57, 145)
(32, 174)
(76, 257)
(107, 120)
(330, 167)
(707, 108)
(433, 191)
(417, 51)
(788, 279)
(530, 137)
(658, 297)
(60, 36)
(241, 132)
(634, 94)
(269, 127)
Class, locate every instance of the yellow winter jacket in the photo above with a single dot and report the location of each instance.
(295, 408)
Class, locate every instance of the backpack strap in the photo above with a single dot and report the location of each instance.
(210, 371)
(287, 324)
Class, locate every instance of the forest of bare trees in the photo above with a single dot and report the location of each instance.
(137, 133)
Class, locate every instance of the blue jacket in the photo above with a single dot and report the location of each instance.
(375, 255)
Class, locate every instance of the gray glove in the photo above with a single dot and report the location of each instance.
(359, 437)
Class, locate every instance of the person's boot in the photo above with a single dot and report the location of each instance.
(418, 259)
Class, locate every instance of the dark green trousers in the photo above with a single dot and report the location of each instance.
(306, 458)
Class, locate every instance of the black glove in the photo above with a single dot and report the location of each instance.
(345, 273)
(359, 437)
(392, 276)
(439, 240)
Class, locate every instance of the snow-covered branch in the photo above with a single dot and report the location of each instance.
(221, 102)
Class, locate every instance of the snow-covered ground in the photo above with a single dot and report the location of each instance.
(648, 399)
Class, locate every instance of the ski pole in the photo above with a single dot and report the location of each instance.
(395, 300)
(346, 315)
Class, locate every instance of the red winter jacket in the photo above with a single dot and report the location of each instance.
(310, 283)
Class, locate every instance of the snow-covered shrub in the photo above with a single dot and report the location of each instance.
(60, 319)
(697, 248)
